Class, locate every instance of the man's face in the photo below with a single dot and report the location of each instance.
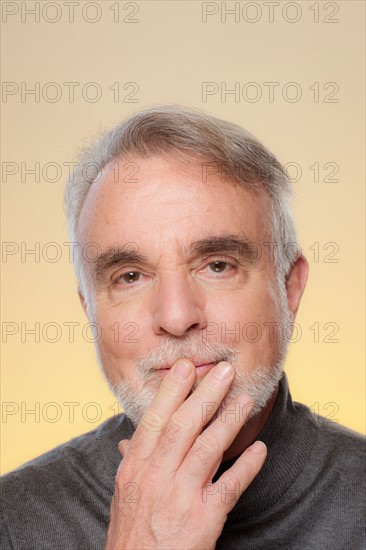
(180, 280)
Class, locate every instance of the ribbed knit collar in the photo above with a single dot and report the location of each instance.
(289, 434)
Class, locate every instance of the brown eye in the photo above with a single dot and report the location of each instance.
(130, 277)
(218, 267)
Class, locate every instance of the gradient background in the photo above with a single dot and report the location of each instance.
(169, 52)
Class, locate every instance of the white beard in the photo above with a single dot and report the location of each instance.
(260, 383)
(136, 396)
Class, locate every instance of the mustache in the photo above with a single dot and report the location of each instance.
(195, 350)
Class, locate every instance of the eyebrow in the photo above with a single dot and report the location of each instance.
(114, 256)
(223, 244)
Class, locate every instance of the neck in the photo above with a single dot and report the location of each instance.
(249, 432)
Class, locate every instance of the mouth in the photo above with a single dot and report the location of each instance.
(202, 368)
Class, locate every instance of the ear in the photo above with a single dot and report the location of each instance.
(83, 302)
(295, 283)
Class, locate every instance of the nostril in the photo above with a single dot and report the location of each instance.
(195, 326)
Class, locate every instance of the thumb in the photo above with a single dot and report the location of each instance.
(123, 446)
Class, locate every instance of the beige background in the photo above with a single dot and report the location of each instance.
(168, 52)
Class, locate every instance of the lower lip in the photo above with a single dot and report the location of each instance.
(201, 370)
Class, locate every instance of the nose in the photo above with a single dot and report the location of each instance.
(177, 306)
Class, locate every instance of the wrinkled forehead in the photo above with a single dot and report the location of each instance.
(168, 202)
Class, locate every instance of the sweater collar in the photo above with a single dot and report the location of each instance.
(290, 435)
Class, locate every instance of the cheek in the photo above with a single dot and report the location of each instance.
(120, 340)
(247, 306)
(248, 321)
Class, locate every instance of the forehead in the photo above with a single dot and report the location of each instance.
(167, 201)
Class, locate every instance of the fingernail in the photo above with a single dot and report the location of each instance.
(182, 370)
(258, 447)
(223, 370)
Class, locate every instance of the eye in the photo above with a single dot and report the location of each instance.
(219, 269)
(131, 281)
(129, 277)
(218, 266)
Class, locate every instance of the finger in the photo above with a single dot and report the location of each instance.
(172, 392)
(189, 420)
(232, 484)
(210, 446)
(123, 446)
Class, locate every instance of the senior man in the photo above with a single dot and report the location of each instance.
(195, 286)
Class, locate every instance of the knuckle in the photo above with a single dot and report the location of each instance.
(174, 430)
(151, 422)
(232, 479)
(208, 391)
(170, 389)
(250, 468)
(206, 447)
(178, 426)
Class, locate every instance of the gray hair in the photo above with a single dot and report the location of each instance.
(225, 147)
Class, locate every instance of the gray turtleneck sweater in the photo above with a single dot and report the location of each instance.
(310, 494)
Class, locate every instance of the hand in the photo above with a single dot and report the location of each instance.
(163, 497)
